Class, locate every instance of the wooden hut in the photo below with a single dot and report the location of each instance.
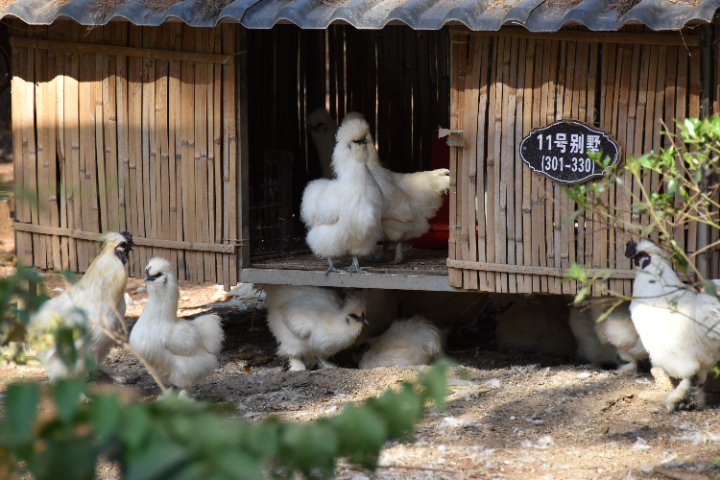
(185, 123)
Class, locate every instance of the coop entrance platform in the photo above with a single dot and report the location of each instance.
(421, 270)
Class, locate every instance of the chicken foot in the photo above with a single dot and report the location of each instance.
(398, 253)
(687, 396)
(332, 268)
(355, 267)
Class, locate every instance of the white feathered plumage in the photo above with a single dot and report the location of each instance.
(181, 352)
(679, 327)
(323, 128)
(313, 323)
(343, 215)
(410, 199)
(415, 341)
(608, 341)
(97, 302)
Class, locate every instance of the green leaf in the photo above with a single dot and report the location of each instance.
(70, 459)
(435, 382)
(710, 288)
(576, 272)
(21, 403)
(66, 393)
(158, 462)
(680, 261)
(361, 433)
(104, 414)
(672, 186)
(65, 346)
(135, 425)
(581, 295)
(571, 218)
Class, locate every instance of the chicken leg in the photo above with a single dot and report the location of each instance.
(331, 267)
(355, 267)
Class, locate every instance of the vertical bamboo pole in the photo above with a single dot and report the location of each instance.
(484, 55)
(468, 155)
(527, 204)
(459, 54)
(188, 155)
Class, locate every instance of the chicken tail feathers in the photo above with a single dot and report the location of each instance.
(211, 332)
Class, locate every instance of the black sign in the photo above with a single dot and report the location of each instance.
(561, 151)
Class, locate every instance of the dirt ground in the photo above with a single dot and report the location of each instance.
(508, 416)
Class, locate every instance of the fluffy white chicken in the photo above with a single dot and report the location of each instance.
(608, 341)
(96, 302)
(410, 200)
(343, 215)
(415, 341)
(313, 323)
(180, 351)
(679, 327)
(323, 128)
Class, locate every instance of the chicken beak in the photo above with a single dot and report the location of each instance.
(146, 278)
(364, 319)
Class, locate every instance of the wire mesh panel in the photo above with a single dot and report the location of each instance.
(271, 215)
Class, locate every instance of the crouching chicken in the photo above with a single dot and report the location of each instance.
(181, 352)
(313, 323)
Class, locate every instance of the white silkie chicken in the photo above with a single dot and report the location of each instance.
(611, 340)
(415, 341)
(322, 128)
(343, 215)
(410, 200)
(96, 302)
(180, 351)
(679, 327)
(313, 323)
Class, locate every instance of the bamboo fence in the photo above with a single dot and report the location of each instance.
(508, 233)
(131, 128)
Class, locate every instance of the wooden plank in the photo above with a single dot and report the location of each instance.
(649, 121)
(188, 155)
(658, 118)
(468, 123)
(146, 53)
(201, 154)
(580, 94)
(58, 212)
(693, 111)
(235, 226)
(22, 108)
(550, 271)
(150, 164)
(671, 82)
(640, 126)
(615, 102)
(551, 99)
(507, 170)
(162, 122)
(493, 159)
(607, 72)
(71, 90)
(101, 62)
(537, 189)
(139, 241)
(517, 191)
(30, 181)
(484, 55)
(135, 163)
(110, 150)
(125, 201)
(44, 258)
(175, 145)
(214, 151)
(593, 118)
(527, 117)
(593, 37)
(243, 159)
(566, 230)
(458, 55)
(88, 150)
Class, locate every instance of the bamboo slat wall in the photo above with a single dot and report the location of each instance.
(505, 85)
(126, 128)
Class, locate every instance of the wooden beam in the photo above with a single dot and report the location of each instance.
(149, 53)
(531, 270)
(140, 241)
(593, 37)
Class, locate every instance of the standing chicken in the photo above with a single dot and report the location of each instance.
(312, 323)
(180, 351)
(406, 343)
(679, 327)
(410, 200)
(343, 215)
(612, 339)
(97, 302)
(323, 128)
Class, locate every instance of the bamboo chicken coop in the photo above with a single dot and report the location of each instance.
(185, 123)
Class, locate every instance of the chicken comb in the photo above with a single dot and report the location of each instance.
(630, 249)
(128, 237)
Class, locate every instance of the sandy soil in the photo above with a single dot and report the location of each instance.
(509, 415)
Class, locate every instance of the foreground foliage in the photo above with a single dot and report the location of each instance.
(47, 431)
